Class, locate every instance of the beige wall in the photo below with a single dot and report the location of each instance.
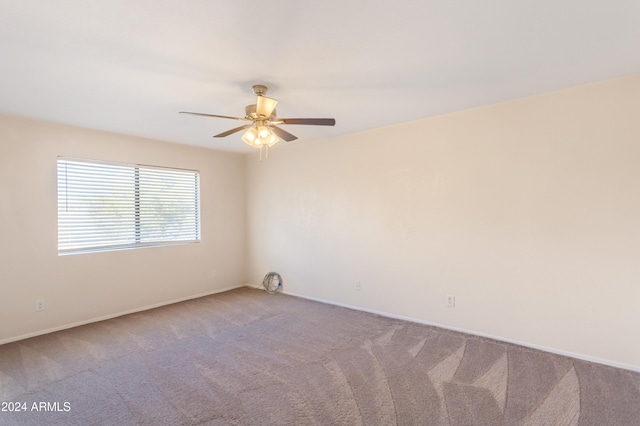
(527, 211)
(79, 288)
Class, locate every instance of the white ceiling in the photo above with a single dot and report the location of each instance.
(129, 66)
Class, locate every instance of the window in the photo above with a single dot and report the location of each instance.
(107, 206)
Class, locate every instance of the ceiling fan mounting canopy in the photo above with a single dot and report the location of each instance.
(260, 90)
(263, 128)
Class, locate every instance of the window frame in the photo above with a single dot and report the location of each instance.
(138, 240)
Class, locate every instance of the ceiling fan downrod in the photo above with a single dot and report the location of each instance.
(259, 89)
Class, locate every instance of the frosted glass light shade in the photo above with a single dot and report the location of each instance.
(272, 140)
(250, 137)
(265, 106)
(264, 133)
(266, 136)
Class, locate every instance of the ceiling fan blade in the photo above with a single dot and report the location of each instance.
(312, 121)
(265, 106)
(283, 134)
(214, 115)
(232, 131)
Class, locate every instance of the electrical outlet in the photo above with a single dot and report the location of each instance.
(358, 286)
(39, 305)
(451, 301)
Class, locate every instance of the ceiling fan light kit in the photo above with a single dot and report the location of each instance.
(263, 130)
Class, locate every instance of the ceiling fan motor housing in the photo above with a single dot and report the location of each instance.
(250, 111)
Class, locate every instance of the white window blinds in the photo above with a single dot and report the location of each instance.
(106, 206)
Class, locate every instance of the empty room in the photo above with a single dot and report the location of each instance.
(319, 213)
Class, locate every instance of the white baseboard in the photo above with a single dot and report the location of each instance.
(582, 357)
(119, 314)
(610, 363)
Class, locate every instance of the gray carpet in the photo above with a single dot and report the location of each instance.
(248, 358)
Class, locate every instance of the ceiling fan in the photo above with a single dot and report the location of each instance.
(263, 129)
